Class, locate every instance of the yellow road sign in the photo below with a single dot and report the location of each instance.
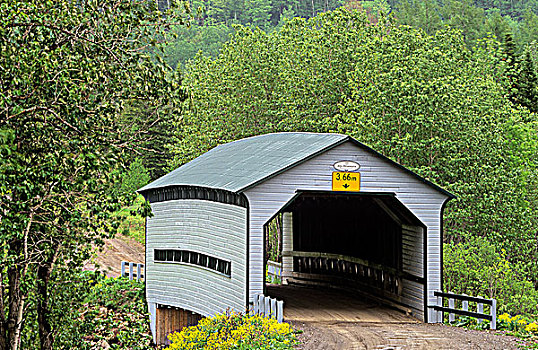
(344, 181)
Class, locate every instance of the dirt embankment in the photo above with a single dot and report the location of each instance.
(116, 250)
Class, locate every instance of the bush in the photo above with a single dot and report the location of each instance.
(235, 331)
(113, 315)
(477, 268)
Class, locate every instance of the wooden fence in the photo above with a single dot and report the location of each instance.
(464, 300)
(370, 275)
(269, 307)
(130, 272)
(274, 269)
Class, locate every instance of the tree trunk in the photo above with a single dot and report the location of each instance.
(16, 307)
(44, 271)
(3, 321)
(45, 329)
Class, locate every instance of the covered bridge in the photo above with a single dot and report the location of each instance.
(351, 216)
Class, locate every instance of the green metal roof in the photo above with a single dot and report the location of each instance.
(242, 164)
(238, 165)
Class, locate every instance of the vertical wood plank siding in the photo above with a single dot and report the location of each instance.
(212, 228)
(377, 175)
(412, 250)
(287, 243)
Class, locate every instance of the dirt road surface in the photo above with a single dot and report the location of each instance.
(332, 319)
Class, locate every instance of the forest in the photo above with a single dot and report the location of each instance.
(213, 21)
(98, 100)
(448, 89)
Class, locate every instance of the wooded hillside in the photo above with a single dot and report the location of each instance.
(214, 21)
(450, 111)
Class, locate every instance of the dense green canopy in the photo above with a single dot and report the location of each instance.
(427, 101)
(67, 71)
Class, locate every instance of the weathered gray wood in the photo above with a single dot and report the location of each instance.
(287, 245)
(123, 264)
(212, 228)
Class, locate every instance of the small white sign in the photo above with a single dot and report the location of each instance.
(346, 165)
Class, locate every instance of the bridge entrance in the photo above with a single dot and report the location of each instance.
(366, 244)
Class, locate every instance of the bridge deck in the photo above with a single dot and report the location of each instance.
(309, 304)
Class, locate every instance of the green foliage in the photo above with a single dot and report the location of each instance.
(478, 268)
(68, 70)
(133, 223)
(286, 80)
(429, 102)
(235, 331)
(135, 177)
(108, 312)
(114, 313)
(190, 40)
(476, 19)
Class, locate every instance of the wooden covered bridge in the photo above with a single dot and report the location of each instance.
(352, 218)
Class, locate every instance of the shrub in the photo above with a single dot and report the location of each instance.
(113, 315)
(234, 331)
(476, 267)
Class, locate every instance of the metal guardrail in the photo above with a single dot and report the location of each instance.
(131, 273)
(464, 311)
(268, 307)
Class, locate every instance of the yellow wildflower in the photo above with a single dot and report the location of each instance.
(532, 327)
(504, 317)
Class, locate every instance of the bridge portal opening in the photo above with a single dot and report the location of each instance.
(368, 243)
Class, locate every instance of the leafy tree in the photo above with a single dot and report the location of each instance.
(521, 76)
(420, 14)
(68, 70)
(258, 11)
(528, 83)
(427, 101)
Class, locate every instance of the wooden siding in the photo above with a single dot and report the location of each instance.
(172, 319)
(377, 175)
(413, 250)
(287, 244)
(413, 263)
(212, 228)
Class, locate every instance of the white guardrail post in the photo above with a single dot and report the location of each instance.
(131, 267)
(480, 310)
(138, 272)
(123, 263)
(451, 316)
(480, 315)
(280, 311)
(268, 307)
(493, 311)
(131, 271)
